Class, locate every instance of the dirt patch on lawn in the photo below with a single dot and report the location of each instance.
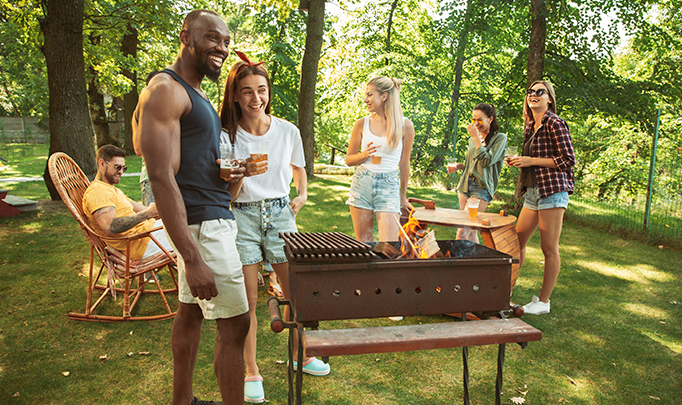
(50, 206)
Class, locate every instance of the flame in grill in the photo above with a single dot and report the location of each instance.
(416, 242)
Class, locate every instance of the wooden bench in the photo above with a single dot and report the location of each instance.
(343, 342)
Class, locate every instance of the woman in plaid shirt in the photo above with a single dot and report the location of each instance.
(546, 180)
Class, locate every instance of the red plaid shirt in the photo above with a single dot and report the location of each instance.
(553, 140)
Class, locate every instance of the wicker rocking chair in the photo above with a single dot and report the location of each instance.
(124, 276)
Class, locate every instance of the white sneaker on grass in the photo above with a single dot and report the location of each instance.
(536, 307)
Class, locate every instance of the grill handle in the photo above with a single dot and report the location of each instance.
(276, 322)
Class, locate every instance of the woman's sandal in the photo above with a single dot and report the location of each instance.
(275, 290)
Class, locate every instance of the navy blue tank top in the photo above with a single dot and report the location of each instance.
(203, 191)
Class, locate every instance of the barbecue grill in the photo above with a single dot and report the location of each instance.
(357, 283)
(333, 276)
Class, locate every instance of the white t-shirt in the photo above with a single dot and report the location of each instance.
(285, 148)
(390, 159)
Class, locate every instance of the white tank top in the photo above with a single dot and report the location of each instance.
(389, 158)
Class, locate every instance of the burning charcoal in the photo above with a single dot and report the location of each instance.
(420, 233)
(387, 250)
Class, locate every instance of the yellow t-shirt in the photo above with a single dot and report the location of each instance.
(99, 195)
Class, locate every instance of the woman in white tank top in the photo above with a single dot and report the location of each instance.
(380, 147)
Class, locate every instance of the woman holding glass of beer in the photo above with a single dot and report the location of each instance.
(545, 181)
(482, 166)
(260, 200)
(380, 147)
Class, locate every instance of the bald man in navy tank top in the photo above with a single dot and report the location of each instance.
(177, 131)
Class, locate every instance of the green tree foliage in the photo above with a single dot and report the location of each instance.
(23, 75)
(450, 54)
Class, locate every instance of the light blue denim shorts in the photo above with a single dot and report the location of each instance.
(260, 223)
(476, 190)
(532, 200)
(378, 192)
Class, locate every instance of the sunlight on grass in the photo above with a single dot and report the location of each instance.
(590, 339)
(85, 270)
(33, 227)
(638, 273)
(672, 345)
(645, 311)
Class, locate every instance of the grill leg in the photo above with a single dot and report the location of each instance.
(290, 368)
(465, 373)
(500, 370)
(299, 361)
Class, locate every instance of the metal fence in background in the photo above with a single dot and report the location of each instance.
(627, 217)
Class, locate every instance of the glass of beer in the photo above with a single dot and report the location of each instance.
(228, 160)
(378, 152)
(258, 151)
(510, 153)
(451, 164)
(472, 206)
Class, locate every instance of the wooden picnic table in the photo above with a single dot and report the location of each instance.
(497, 230)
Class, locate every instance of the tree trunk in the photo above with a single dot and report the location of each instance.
(306, 90)
(388, 29)
(536, 46)
(98, 112)
(462, 43)
(70, 125)
(129, 48)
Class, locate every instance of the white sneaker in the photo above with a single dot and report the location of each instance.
(536, 307)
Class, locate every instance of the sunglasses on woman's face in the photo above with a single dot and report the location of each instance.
(537, 93)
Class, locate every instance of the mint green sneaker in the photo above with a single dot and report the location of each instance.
(314, 366)
(253, 390)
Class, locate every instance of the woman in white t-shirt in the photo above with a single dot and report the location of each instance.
(380, 147)
(260, 200)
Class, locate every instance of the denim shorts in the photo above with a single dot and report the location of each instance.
(215, 241)
(260, 223)
(532, 200)
(476, 190)
(377, 192)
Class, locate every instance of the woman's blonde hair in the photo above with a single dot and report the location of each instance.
(392, 110)
(527, 112)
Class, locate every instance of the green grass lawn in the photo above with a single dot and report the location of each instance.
(613, 336)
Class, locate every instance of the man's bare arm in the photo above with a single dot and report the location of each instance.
(157, 133)
(112, 225)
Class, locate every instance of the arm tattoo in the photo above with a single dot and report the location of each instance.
(122, 224)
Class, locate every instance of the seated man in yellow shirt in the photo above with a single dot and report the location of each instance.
(109, 210)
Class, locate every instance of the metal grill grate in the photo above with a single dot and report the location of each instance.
(310, 246)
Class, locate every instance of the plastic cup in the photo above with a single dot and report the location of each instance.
(228, 159)
(451, 164)
(376, 158)
(472, 206)
(511, 151)
(258, 151)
